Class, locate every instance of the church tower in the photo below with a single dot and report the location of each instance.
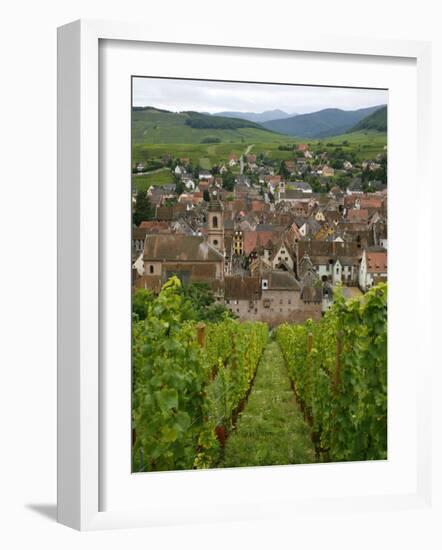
(216, 223)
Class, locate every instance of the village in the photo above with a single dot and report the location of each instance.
(273, 241)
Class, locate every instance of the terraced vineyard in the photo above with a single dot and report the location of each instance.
(224, 395)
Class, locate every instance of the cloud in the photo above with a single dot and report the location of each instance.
(214, 96)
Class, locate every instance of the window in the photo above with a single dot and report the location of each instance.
(289, 301)
(215, 221)
(215, 242)
(151, 269)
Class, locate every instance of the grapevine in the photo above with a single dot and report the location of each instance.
(338, 368)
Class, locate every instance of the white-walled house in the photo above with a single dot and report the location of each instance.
(281, 256)
(335, 262)
(373, 268)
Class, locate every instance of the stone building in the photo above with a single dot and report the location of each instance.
(274, 298)
(190, 258)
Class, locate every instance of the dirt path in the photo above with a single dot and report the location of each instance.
(249, 148)
(271, 430)
(151, 172)
(241, 158)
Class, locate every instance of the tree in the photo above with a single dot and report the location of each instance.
(179, 187)
(283, 170)
(143, 210)
(199, 304)
(228, 181)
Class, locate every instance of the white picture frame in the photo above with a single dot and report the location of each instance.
(79, 273)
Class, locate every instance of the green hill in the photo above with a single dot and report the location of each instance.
(151, 125)
(376, 121)
(320, 124)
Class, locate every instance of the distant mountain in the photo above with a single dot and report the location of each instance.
(375, 121)
(276, 114)
(320, 124)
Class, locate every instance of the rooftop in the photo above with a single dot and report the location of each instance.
(180, 248)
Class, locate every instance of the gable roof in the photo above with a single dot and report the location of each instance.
(179, 248)
(282, 280)
(321, 252)
(154, 225)
(242, 288)
(256, 239)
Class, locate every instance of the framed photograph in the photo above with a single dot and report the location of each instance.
(227, 349)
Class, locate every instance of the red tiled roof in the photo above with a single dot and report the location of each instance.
(255, 239)
(377, 262)
(371, 202)
(355, 215)
(154, 225)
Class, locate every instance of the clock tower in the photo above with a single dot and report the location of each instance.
(216, 223)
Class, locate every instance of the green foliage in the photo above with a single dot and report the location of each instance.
(271, 430)
(159, 127)
(200, 304)
(142, 182)
(169, 375)
(376, 121)
(228, 181)
(237, 346)
(201, 120)
(182, 391)
(211, 139)
(141, 301)
(283, 170)
(339, 369)
(143, 210)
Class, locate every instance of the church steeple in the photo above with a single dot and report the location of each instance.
(216, 223)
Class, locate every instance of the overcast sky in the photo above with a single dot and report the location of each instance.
(209, 96)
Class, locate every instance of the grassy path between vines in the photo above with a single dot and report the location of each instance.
(271, 430)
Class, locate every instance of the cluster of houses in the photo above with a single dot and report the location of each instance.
(272, 251)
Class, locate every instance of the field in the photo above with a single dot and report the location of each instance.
(166, 128)
(156, 134)
(366, 145)
(142, 182)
